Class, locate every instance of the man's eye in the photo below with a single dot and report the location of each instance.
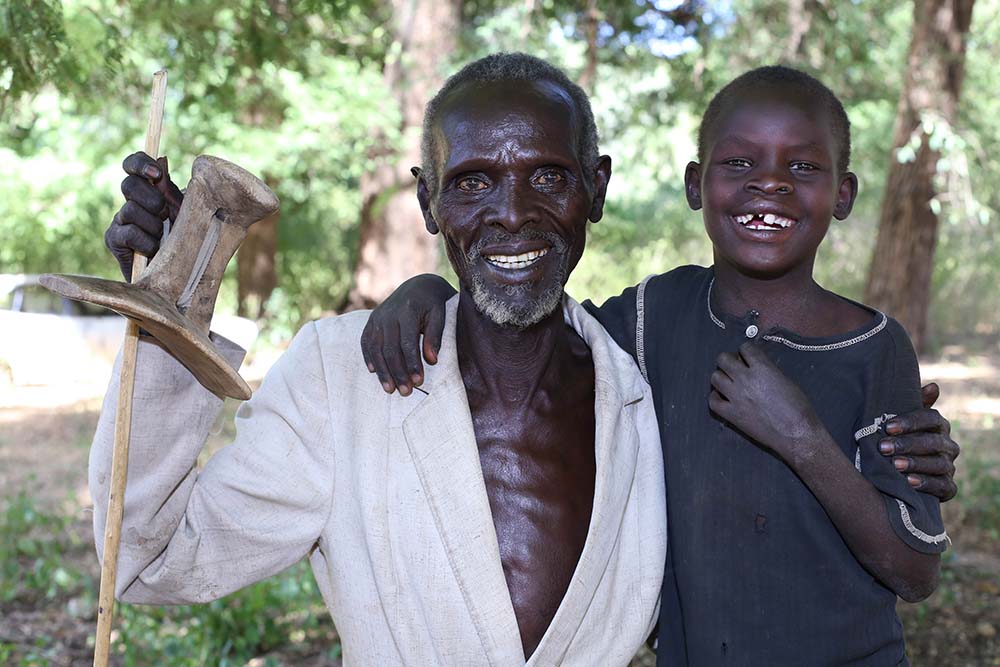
(471, 184)
(549, 177)
(742, 163)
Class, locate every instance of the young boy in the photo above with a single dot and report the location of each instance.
(781, 551)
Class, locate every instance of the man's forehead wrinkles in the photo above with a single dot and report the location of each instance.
(516, 140)
(501, 123)
(512, 150)
(502, 161)
(511, 113)
(512, 123)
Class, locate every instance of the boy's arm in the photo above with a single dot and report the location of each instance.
(257, 507)
(391, 346)
(750, 392)
(390, 342)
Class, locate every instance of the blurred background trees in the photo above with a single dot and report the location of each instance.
(902, 266)
(324, 99)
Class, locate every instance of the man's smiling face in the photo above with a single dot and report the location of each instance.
(512, 199)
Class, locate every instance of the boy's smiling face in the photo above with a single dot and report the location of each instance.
(770, 183)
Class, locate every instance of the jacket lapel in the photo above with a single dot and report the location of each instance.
(616, 450)
(442, 443)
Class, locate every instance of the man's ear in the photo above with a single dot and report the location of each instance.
(602, 174)
(692, 185)
(424, 197)
(846, 194)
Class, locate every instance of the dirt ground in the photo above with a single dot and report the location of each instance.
(43, 450)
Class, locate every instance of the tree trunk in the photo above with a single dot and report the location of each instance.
(591, 21)
(799, 22)
(256, 273)
(899, 280)
(256, 260)
(394, 243)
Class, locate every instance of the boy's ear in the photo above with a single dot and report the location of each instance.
(692, 185)
(846, 194)
(601, 177)
(424, 198)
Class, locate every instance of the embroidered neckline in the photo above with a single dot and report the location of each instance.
(838, 345)
(708, 302)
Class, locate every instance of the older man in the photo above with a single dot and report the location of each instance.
(510, 509)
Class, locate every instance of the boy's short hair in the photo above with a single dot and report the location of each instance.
(502, 67)
(779, 76)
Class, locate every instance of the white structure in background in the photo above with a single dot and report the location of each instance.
(47, 340)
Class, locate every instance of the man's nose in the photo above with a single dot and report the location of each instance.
(770, 179)
(514, 206)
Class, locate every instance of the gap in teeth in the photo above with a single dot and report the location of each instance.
(769, 219)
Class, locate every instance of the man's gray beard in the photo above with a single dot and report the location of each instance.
(535, 310)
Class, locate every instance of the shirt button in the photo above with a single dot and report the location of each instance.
(752, 331)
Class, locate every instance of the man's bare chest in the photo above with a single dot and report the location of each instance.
(539, 477)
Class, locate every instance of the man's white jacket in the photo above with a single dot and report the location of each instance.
(385, 496)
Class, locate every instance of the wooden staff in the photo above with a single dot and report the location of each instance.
(123, 418)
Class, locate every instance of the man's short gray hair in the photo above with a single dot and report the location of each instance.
(501, 67)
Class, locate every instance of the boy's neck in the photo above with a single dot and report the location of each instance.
(792, 300)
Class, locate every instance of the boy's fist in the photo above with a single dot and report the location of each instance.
(752, 394)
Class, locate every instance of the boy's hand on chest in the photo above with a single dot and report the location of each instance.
(751, 393)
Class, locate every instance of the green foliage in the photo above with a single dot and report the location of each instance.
(980, 494)
(45, 44)
(290, 92)
(277, 613)
(40, 654)
(32, 548)
(294, 92)
(967, 271)
(228, 632)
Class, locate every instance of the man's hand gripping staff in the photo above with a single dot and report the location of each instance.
(173, 298)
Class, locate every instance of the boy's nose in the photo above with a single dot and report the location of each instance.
(770, 183)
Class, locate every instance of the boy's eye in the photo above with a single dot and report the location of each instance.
(740, 162)
(470, 184)
(803, 166)
(548, 178)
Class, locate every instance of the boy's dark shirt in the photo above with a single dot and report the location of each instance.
(756, 572)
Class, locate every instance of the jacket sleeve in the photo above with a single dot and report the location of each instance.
(258, 506)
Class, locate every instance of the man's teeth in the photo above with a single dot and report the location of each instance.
(517, 261)
(763, 221)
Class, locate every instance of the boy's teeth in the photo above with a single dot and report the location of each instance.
(769, 220)
(517, 261)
